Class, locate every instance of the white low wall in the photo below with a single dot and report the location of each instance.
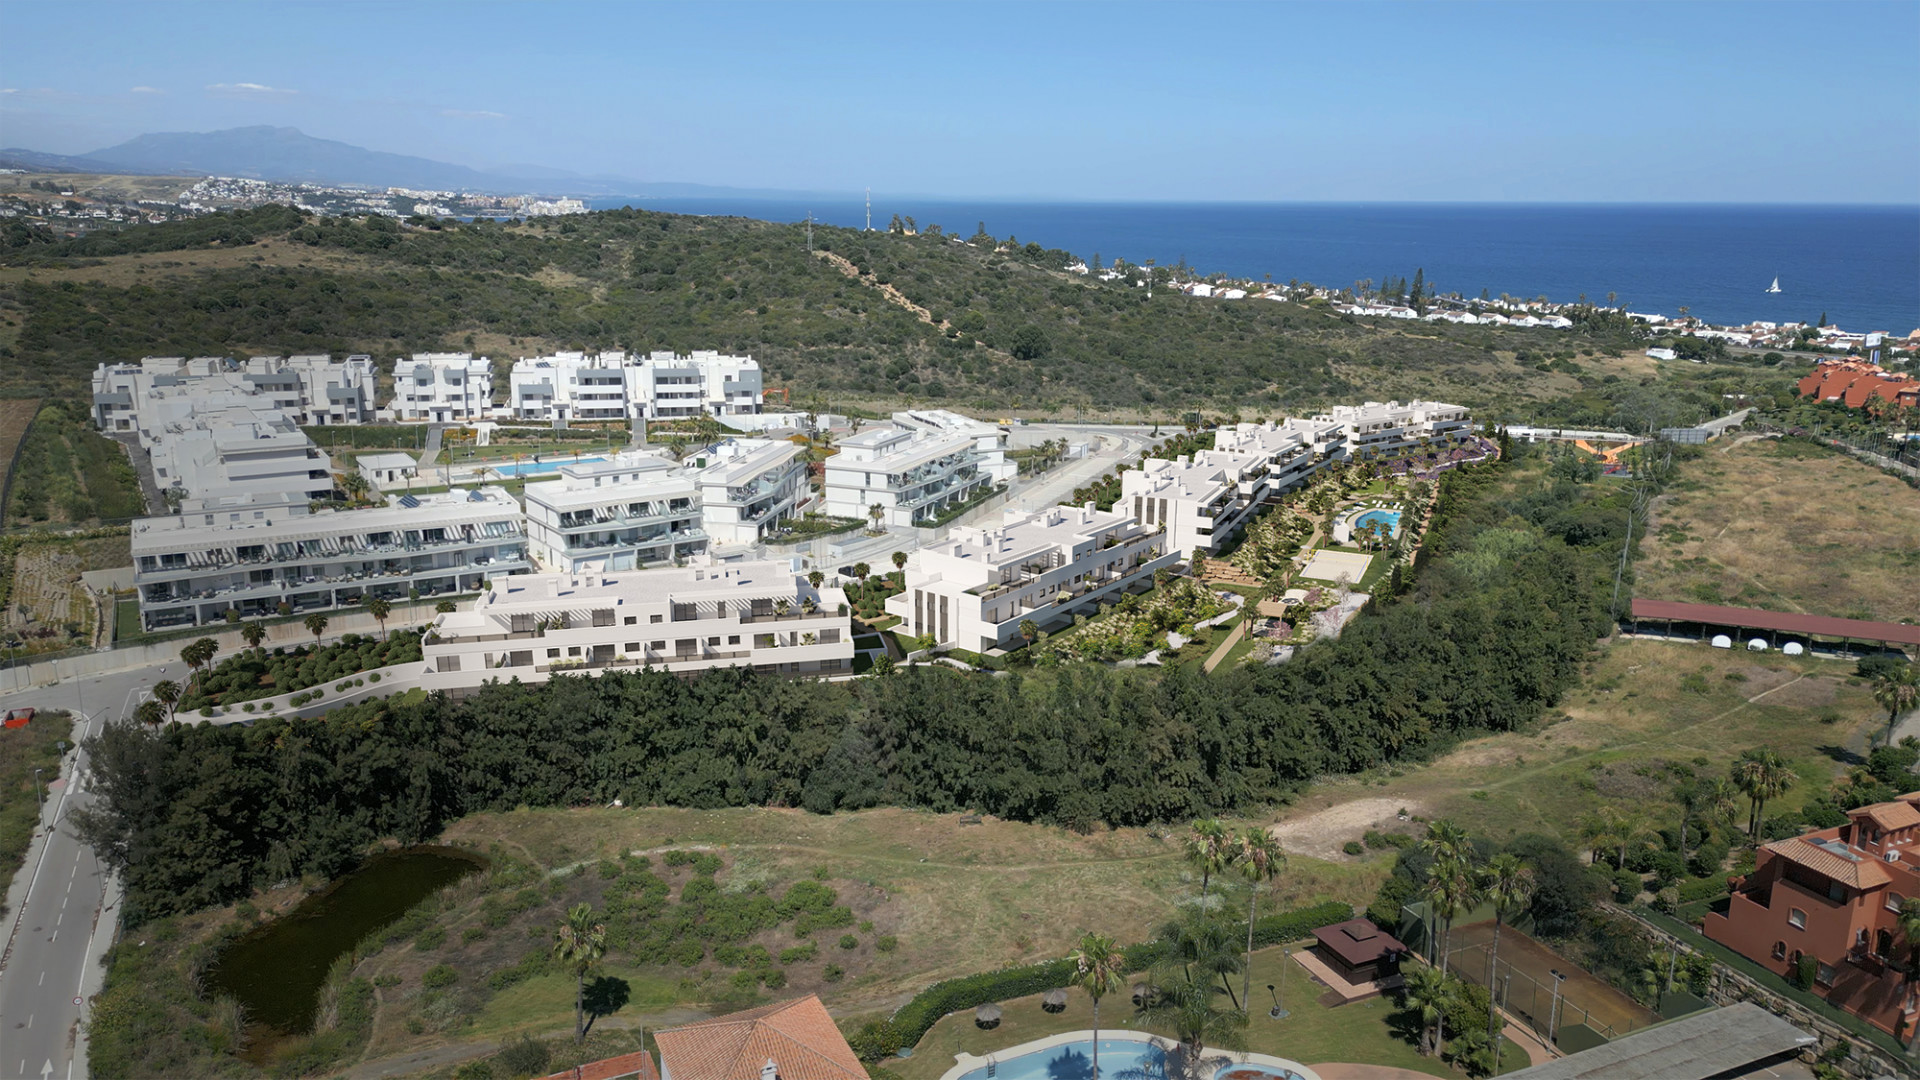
(390, 680)
(965, 1063)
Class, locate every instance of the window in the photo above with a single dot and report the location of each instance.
(1824, 975)
(658, 646)
(655, 618)
(553, 653)
(449, 663)
(1893, 901)
(763, 641)
(573, 650)
(1779, 950)
(632, 646)
(603, 616)
(713, 642)
(733, 639)
(1796, 918)
(631, 619)
(830, 637)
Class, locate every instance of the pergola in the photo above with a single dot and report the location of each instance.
(1702, 620)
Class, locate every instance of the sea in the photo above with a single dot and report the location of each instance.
(1857, 265)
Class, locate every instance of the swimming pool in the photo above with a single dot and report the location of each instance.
(1131, 1056)
(536, 468)
(1388, 518)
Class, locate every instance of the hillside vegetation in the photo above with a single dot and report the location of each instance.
(864, 317)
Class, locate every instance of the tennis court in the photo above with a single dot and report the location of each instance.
(1331, 565)
(1524, 983)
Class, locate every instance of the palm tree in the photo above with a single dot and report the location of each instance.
(1430, 992)
(876, 512)
(1507, 882)
(167, 693)
(1260, 861)
(1029, 630)
(379, 607)
(1907, 921)
(1451, 889)
(899, 560)
(1897, 690)
(580, 942)
(150, 712)
(861, 570)
(316, 625)
(253, 633)
(1187, 1006)
(1202, 946)
(1099, 969)
(1761, 774)
(1210, 848)
(815, 577)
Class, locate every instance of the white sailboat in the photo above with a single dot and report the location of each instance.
(1775, 287)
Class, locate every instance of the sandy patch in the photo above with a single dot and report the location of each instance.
(1809, 693)
(1321, 834)
(1333, 565)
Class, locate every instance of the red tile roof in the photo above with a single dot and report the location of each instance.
(1890, 815)
(639, 1064)
(797, 1036)
(1755, 619)
(1857, 869)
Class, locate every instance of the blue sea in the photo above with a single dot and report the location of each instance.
(1860, 265)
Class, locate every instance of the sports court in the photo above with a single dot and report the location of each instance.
(1331, 565)
(1524, 983)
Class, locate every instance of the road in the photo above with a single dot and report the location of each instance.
(60, 924)
(1106, 448)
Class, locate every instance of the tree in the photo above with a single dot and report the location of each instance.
(899, 560)
(1451, 889)
(1030, 343)
(1430, 992)
(1896, 689)
(199, 652)
(1029, 630)
(167, 693)
(354, 485)
(380, 608)
(1098, 968)
(876, 512)
(1260, 860)
(316, 625)
(815, 578)
(150, 713)
(1202, 947)
(1907, 920)
(1209, 849)
(253, 633)
(1761, 774)
(446, 607)
(1186, 1005)
(1508, 883)
(579, 943)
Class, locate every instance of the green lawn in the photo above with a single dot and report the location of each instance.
(23, 750)
(126, 619)
(1365, 1032)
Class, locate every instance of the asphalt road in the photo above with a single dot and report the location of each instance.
(47, 978)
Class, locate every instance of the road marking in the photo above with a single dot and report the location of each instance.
(29, 1021)
(43, 979)
(55, 937)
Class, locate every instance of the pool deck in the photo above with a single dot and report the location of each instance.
(966, 1063)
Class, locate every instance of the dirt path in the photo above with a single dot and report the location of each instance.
(1220, 653)
(893, 295)
(1323, 833)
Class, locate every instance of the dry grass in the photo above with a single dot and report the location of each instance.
(1787, 527)
(46, 584)
(151, 268)
(15, 415)
(1642, 704)
(155, 188)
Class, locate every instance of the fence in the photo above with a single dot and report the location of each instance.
(1545, 990)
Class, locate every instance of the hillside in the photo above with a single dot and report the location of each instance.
(867, 318)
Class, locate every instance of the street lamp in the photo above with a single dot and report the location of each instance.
(40, 795)
(1553, 1014)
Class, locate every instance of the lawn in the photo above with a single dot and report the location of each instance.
(1785, 526)
(1640, 703)
(1365, 1032)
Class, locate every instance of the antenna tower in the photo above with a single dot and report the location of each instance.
(809, 232)
(869, 209)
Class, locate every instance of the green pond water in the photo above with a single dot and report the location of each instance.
(276, 971)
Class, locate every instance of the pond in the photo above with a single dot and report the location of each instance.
(276, 970)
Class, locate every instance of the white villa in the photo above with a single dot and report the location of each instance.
(252, 554)
(442, 388)
(975, 588)
(578, 386)
(762, 615)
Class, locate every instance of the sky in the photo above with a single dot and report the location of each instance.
(1556, 102)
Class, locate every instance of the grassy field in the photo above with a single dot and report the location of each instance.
(15, 415)
(21, 751)
(1372, 1032)
(1786, 526)
(67, 472)
(1641, 704)
(46, 602)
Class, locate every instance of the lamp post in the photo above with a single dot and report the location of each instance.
(40, 796)
(1553, 1014)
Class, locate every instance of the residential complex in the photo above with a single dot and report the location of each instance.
(1855, 383)
(162, 390)
(633, 510)
(762, 615)
(748, 487)
(443, 388)
(578, 386)
(1832, 897)
(976, 588)
(253, 555)
(913, 470)
(235, 451)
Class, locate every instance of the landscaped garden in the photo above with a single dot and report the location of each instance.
(1135, 626)
(256, 673)
(868, 594)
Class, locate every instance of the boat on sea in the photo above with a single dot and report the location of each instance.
(1775, 287)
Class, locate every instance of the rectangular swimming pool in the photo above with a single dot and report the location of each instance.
(537, 468)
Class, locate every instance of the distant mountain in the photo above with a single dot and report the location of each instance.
(288, 154)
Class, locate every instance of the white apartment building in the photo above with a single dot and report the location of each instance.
(635, 509)
(762, 615)
(975, 588)
(911, 474)
(158, 390)
(442, 388)
(1378, 429)
(578, 386)
(234, 450)
(989, 439)
(749, 486)
(251, 554)
(1200, 500)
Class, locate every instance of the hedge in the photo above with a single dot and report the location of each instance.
(1708, 888)
(909, 1024)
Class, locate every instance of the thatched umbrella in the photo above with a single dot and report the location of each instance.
(1055, 1001)
(987, 1016)
(1142, 993)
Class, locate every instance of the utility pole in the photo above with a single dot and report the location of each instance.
(869, 209)
(809, 232)
(1149, 279)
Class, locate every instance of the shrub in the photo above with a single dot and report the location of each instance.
(1626, 885)
(1708, 859)
(524, 1058)
(848, 941)
(798, 953)
(773, 978)
(472, 934)
(375, 677)
(888, 943)
(385, 981)
(832, 973)
(1352, 847)
(1668, 867)
(1803, 973)
(431, 938)
(1694, 890)
(439, 977)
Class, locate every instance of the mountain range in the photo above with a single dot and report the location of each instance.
(290, 155)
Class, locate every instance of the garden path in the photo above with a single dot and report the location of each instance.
(1226, 646)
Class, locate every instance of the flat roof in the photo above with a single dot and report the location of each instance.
(1755, 619)
(1694, 1047)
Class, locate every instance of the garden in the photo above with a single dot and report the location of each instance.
(256, 673)
(868, 593)
(1136, 625)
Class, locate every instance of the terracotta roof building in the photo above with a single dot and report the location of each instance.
(792, 1040)
(1856, 382)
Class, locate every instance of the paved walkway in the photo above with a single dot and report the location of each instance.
(1220, 653)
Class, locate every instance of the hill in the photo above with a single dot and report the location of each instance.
(864, 318)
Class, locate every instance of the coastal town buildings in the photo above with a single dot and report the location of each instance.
(763, 615)
(263, 556)
(442, 388)
(579, 386)
(1830, 900)
(975, 588)
(910, 474)
(1856, 383)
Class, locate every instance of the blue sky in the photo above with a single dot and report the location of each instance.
(1762, 102)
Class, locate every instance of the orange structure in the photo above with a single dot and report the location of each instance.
(792, 1040)
(1856, 382)
(1833, 896)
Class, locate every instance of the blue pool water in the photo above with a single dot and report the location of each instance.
(1120, 1059)
(1389, 518)
(532, 468)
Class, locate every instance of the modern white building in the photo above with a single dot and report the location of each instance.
(578, 386)
(911, 474)
(236, 451)
(442, 388)
(989, 439)
(749, 486)
(314, 389)
(251, 554)
(975, 588)
(1378, 429)
(761, 615)
(635, 509)
(384, 471)
(1198, 500)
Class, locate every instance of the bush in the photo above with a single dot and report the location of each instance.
(1803, 973)
(524, 1058)
(832, 973)
(1707, 860)
(431, 938)
(1626, 885)
(887, 943)
(1352, 847)
(848, 941)
(439, 977)
(773, 978)
(1668, 867)
(801, 952)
